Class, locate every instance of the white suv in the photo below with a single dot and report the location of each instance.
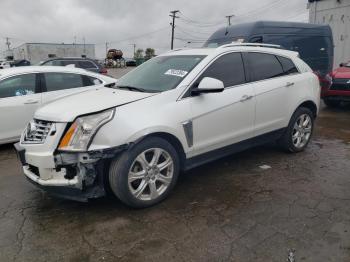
(174, 112)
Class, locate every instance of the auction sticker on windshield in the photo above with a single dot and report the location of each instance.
(176, 72)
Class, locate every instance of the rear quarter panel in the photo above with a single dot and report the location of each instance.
(306, 87)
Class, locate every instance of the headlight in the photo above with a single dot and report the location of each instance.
(79, 135)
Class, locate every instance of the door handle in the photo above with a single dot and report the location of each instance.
(245, 98)
(30, 102)
(289, 84)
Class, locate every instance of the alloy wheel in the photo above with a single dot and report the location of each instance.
(302, 131)
(150, 174)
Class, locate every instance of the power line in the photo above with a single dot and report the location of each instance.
(190, 40)
(259, 10)
(173, 16)
(134, 37)
(191, 35)
(189, 20)
(200, 25)
(194, 31)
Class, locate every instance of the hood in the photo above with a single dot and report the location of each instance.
(68, 108)
(341, 72)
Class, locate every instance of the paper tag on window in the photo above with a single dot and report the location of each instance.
(176, 72)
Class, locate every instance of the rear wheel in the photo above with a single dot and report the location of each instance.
(145, 174)
(299, 131)
(332, 103)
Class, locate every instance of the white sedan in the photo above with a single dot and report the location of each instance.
(24, 89)
(4, 64)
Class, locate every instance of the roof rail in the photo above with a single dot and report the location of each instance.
(177, 49)
(250, 44)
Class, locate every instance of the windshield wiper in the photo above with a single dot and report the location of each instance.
(133, 88)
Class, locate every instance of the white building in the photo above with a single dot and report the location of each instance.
(336, 13)
(36, 52)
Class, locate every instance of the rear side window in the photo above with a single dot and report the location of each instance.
(287, 65)
(264, 66)
(20, 85)
(227, 68)
(86, 64)
(61, 81)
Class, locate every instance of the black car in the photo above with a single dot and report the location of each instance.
(130, 62)
(85, 63)
(20, 62)
(313, 42)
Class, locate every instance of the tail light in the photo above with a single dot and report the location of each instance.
(325, 81)
(103, 71)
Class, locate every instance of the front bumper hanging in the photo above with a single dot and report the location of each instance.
(77, 176)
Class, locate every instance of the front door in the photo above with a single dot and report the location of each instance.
(221, 119)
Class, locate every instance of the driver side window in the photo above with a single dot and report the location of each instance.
(228, 68)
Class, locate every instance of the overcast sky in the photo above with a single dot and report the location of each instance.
(123, 23)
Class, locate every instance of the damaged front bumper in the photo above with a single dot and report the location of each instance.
(76, 176)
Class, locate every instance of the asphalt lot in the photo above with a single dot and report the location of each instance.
(228, 210)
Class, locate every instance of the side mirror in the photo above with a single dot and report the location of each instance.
(208, 85)
(342, 64)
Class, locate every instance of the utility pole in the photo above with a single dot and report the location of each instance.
(84, 45)
(229, 19)
(134, 46)
(173, 15)
(106, 48)
(8, 43)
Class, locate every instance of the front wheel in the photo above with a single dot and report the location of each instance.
(144, 175)
(299, 131)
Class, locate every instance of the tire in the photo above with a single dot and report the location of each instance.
(289, 139)
(332, 103)
(139, 183)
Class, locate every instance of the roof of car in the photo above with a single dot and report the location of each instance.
(232, 47)
(69, 58)
(30, 69)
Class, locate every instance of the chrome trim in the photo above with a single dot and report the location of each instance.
(37, 131)
(50, 182)
(188, 129)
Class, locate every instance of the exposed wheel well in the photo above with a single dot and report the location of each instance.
(175, 142)
(310, 105)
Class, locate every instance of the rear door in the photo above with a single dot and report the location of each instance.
(270, 84)
(221, 119)
(19, 98)
(57, 85)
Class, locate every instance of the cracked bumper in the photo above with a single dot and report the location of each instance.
(76, 176)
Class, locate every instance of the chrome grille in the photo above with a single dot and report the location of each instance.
(340, 84)
(37, 131)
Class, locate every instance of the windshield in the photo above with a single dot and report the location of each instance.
(159, 74)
